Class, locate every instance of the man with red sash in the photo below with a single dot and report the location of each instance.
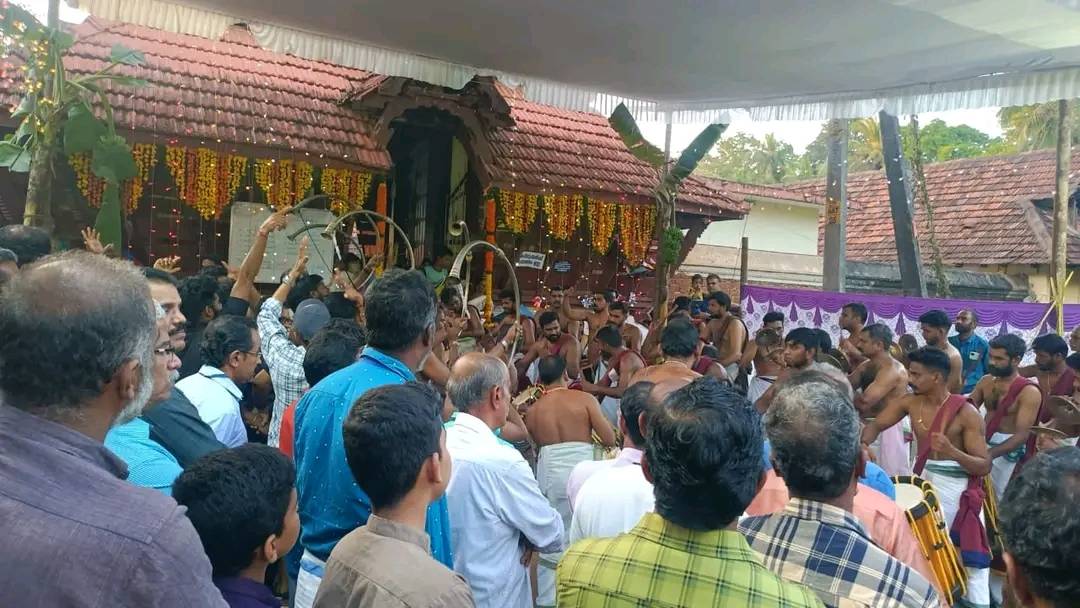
(621, 363)
(1054, 375)
(552, 341)
(952, 456)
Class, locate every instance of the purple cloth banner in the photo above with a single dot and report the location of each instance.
(804, 308)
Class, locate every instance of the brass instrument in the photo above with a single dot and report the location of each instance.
(455, 271)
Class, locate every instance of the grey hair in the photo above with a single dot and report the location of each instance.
(814, 432)
(466, 391)
(81, 313)
(159, 311)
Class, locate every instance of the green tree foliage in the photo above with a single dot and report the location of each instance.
(1034, 127)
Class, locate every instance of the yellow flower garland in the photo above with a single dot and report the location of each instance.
(563, 214)
(205, 180)
(636, 225)
(347, 189)
(92, 187)
(519, 210)
(601, 224)
(284, 182)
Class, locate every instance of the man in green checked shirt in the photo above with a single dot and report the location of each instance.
(703, 456)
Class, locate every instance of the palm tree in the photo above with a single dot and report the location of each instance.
(1033, 127)
(865, 145)
(773, 158)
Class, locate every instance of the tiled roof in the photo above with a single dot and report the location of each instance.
(234, 92)
(743, 191)
(983, 213)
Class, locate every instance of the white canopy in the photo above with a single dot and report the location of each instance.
(782, 59)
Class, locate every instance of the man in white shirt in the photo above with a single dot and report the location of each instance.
(498, 517)
(230, 349)
(610, 496)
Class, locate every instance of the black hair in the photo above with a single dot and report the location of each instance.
(215, 272)
(720, 298)
(235, 499)
(697, 277)
(547, 317)
(859, 309)
(224, 291)
(1051, 344)
(708, 350)
(506, 294)
(196, 294)
(339, 306)
(7, 255)
(1073, 361)
(824, 340)
(224, 336)
(703, 447)
(635, 401)
(389, 433)
(806, 337)
(681, 303)
(551, 369)
(1041, 526)
(609, 335)
(302, 290)
(328, 352)
(1012, 345)
(933, 359)
(935, 318)
(448, 294)
(879, 332)
(399, 307)
(349, 327)
(608, 295)
(159, 276)
(772, 317)
(620, 306)
(713, 275)
(679, 339)
(29, 243)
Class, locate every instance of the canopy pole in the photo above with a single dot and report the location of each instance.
(900, 196)
(1060, 254)
(834, 269)
(665, 218)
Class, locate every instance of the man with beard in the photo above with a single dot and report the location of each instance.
(76, 358)
(679, 345)
(726, 332)
(1074, 339)
(974, 350)
(768, 348)
(801, 348)
(852, 320)
(555, 304)
(934, 325)
(631, 334)
(552, 342)
(952, 453)
(878, 380)
(1055, 377)
(175, 423)
(621, 363)
(599, 317)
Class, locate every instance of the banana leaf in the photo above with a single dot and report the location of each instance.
(624, 124)
(692, 155)
(108, 218)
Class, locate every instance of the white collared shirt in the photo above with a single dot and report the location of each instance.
(217, 398)
(611, 502)
(494, 500)
(584, 470)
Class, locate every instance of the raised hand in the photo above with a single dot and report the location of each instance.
(92, 242)
(169, 264)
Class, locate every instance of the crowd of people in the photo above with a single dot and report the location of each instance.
(373, 440)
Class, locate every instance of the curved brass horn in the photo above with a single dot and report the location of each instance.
(302, 230)
(455, 271)
(372, 216)
(458, 228)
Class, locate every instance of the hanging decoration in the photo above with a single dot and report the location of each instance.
(347, 188)
(636, 225)
(92, 187)
(601, 224)
(205, 180)
(563, 214)
(284, 182)
(519, 210)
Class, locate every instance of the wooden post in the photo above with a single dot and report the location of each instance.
(744, 264)
(665, 219)
(1059, 254)
(834, 266)
(489, 259)
(900, 196)
(380, 229)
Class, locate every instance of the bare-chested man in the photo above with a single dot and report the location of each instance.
(952, 447)
(622, 363)
(679, 344)
(772, 321)
(562, 423)
(852, 320)
(726, 332)
(618, 312)
(768, 362)
(1070, 407)
(801, 348)
(879, 379)
(935, 325)
(555, 304)
(552, 341)
(1074, 339)
(595, 319)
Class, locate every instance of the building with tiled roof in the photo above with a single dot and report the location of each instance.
(990, 214)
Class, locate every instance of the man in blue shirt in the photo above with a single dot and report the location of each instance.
(974, 349)
(400, 309)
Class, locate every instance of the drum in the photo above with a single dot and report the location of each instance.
(919, 502)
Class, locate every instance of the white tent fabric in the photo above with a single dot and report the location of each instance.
(781, 59)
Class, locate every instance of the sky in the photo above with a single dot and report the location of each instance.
(800, 133)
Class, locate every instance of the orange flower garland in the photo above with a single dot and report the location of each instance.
(636, 225)
(519, 210)
(347, 189)
(283, 181)
(601, 224)
(205, 180)
(92, 187)
(563, 214)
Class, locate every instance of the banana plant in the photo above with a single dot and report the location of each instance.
(63, 115)
(670, 176)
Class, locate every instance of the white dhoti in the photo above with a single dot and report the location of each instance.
(891, 451)
(1000, 474)
(950, 480)
(757, 387)
(732, 370)
(553, 466)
